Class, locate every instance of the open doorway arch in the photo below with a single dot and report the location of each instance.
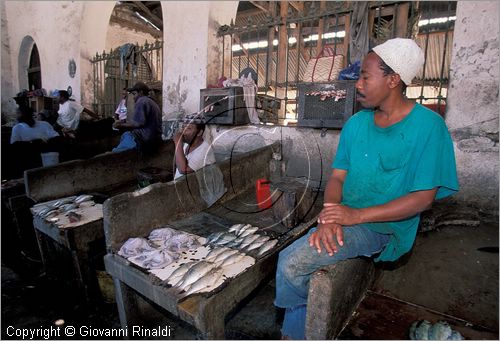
(29, 68)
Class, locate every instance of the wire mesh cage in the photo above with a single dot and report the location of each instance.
(224, 106)
(326, 105)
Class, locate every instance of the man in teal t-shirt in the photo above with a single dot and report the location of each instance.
(393, 159)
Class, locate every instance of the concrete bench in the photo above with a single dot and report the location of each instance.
(334, 293)
(75, 253)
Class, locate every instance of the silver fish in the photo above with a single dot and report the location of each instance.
(253, 246)
(242, 229)
(236, 228)
(267, 246)
(196, 272)
(44, 210)
(180, 271)
(206, 281)
(262, 238)
(248, 231)
(224, 255)
(212, 238)
(81, 198)
(226, 238)
(232, 259)
(50, 214)
(215, 252)
(250, 239)
(233, 244)
(63, 201)
(68, 207)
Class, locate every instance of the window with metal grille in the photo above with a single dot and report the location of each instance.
(277, 40)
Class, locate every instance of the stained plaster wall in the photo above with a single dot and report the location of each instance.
(190, 50)
(62, 31)
(473, 106)
(56, 43)
(117, 35)
(7, 83)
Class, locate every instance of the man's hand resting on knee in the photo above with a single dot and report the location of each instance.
(330, 235)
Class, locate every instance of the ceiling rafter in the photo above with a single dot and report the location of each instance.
(158, 22)
(263, 5)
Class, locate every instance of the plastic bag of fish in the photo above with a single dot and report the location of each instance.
(441, 330)
(162, 247)
(244, 238)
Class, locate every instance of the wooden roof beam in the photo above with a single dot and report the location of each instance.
(154, 19)
(298, 5)
(263, 5)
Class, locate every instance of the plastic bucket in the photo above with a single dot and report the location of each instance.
(49, 159)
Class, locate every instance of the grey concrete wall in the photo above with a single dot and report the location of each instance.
(101, 173)
(304, 152)
(162, 203)
(473, 108)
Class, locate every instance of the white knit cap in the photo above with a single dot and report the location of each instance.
(404, 56)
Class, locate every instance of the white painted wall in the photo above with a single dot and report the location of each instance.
(117, 35)
(56, 43)
(473, 108)
(188, 51)
(8, 104)
(95, 22)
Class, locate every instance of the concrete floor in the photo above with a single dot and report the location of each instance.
(446, 273)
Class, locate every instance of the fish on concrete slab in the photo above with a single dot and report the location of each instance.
(196, 272)
(215, 252)
(224, 255)
(176, 276)
(232, 259)
(236, 228)
(205, 282)
(250, 230)
(267, 246)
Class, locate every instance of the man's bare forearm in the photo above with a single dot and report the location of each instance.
(333, 190)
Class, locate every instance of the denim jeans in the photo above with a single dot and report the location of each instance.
(127, 141)
(299, 260)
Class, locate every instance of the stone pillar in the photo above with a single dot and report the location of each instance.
(473, 109)
(192, 51)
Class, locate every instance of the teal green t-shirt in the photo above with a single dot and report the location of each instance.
(384, 164)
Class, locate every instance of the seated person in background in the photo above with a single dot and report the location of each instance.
(121, 110)
(70, 114)
(144, 131)
(191, 151)
(28, 129)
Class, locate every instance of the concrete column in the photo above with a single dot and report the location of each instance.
(473, 110)
(8, 89)
(192, 52)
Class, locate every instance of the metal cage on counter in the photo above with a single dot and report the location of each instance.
(326, 105)
(224, 106)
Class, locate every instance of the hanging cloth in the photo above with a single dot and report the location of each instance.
(359, 35)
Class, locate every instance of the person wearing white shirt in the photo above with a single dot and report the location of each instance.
(28, 129)
(70, 114)
(121, 110)
(191, 151)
